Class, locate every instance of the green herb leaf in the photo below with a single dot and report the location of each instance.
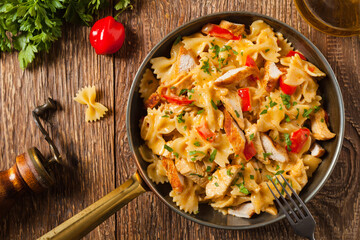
(176, 154)
(266, 50)
(297, 115)
(180, 117)
(279, 172)
(268, 177)
(182, 91)
(287, 141)
(228, 172)
(265, 155)
(168, 148)
(252, 177)
(206, 67)
(177, 40)
(200, 111)
(237, 114)
(277, 167)
(307, 112)
(322, 120)
(195, 174)
(208, 169)
(210, 178)
(286, 100)
(216, 184)
(287, 118)
(251, 137)
(212, 155)
(165, 116)
(263, 112)
(197, 143)
(214, 105)
(196, 152)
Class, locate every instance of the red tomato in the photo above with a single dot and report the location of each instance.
(107, 36)
(244, 94)
(216, 31)
(205, 132)
(250, 62)
(298, 139)
(287, 89)
(177, 100)
(249, 150)
(292, 53)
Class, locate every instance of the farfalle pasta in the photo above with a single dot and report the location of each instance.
(230, 109)
(95, 110)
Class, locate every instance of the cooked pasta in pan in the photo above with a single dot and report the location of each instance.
(230, 109)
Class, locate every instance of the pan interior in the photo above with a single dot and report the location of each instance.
(329, 90)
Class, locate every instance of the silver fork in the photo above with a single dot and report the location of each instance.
(299, 216)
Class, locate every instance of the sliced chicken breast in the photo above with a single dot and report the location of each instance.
(316, 150)
(176, 179)
(271, 77)
(153, 100)
(234, 134)
(245, 210)
(277, 152)
(235, 76)
(232, 104)
(186, 60)
(234, 28)
(319, 127)
(194, 171)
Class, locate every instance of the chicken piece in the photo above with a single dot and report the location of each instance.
(153, 100)
(319, 128)
(277, 152)
(245, 210)
(251, 132)
(317, 150)
(236, 29)
(193, 171)
(271, 77)
(221, 180)
(234, 134)
(186, 60)
(176, 180)
(232, 104)
(236, 75)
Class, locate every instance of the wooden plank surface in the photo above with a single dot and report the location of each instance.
(97, 155)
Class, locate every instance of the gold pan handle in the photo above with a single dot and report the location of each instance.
(89, 218)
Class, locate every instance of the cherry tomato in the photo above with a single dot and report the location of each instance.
(287, 89)
(298, 139)
(107, 36)
(244, 94)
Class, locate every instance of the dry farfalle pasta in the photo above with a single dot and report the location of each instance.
(95, 110)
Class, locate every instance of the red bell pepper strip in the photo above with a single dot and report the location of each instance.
(298, 139)
(311, 69)
(244, 94)
(287, 89)
(292, 53)
(250, 62)
(177, 100)
(216, 31)
(205, 132)
(249, 150)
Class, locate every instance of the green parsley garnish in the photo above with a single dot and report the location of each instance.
(243, 36)
(184, 90)
(214, 105)
(268, 177)
(277, 167)
(272, 104)
(168, 148)
(242, 53)
(196, 152)
(193, 159)
(235, 52)
(165, 116)
(197, 143)
(243, 166)
(242, 188)
(179, 117)
(252, 177)
(195, 174)
(208, 169)
(225, 48)
(263, 112)
(294, 103)
(177, 40)
(185, 127)
(286, 100)
(265, 155)
(228, 172)
(297, 115)
(206, 67)
(216, 184)
(200, 111)
(266, 50)
(322, 120)
(287, 118)
(212, 155)
(307, 112)
(287, 141)
(251, 137)
(280, 108)
(237, 114)
(209, 177)
(176, 154)
(316, 109)
(216, 50)
(279, 172)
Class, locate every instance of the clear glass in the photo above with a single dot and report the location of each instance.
(336, 17)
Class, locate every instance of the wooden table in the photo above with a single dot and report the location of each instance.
(97, 154)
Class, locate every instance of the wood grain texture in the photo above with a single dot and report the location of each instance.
(97, 155)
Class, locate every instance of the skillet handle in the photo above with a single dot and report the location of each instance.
(89, 218)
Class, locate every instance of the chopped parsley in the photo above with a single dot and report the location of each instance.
(243, 166)
(287, 141)
(191, 90)
(316, 109)
(243, 189)
(243, 36)
(172, 87)
(252, 177)
(265, 155)
(208, 169)
(242, 53)
(251, 137)
(266, 50)
(263, 112)
(279, 172)
(212, 155)
(168, 148)
(280, 108)
(177, 40)
(216, 184)
(193, 159)
(216, 50)
(287, 118)
(294, 103)
(165, 116)
(272, 104)
(297, 115)
(197, 143)
(195, 174)
(196, 152)
(235, 52)
(180, 117)
(228, 172)
(237, 114)
(268, 177)
(185, 127)
(206, 67)
(184, 90)
(176, 154)
(277, 167)
(322, 120)
(214, 105)
(286, 100)
(225, 48)
(200, 111)
(209, 177)
(307, 112)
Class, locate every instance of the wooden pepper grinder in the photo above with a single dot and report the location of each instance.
(30, 172)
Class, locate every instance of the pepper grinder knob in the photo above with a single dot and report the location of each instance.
(30, 172)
